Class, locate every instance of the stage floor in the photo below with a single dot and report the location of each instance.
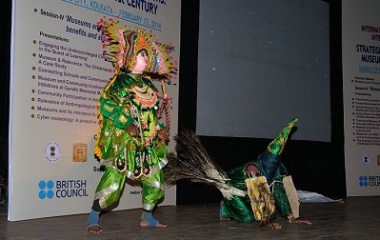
(355, 218)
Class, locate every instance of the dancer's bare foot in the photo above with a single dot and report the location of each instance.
(94, 229)
(274, 225)
(298, 221)
(158, 225)
(224, 218)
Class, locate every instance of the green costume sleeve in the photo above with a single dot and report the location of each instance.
(116, 112)
(115, 116)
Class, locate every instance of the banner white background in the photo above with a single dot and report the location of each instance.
(361, 86)
(57, 75)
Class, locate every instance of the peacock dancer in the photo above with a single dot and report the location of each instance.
(252, 192)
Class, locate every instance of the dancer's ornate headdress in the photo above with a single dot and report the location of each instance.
(122, 44)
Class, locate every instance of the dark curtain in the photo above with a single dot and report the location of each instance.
(5, 20)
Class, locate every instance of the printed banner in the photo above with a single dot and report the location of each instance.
(58, 71)
(361, 86)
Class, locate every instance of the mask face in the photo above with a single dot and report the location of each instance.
(142, 62)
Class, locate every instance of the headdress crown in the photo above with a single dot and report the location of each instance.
(122, 44)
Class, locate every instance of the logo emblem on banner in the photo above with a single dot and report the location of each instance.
(363, 181)
(52, 151)
(46, 189)
(369, 181)
(366, 160)
(79, 152)
(62, 188)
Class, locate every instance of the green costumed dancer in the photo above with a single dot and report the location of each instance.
(268, 164)
(131, 142)
(251, 192)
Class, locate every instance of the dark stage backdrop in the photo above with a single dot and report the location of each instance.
(5, 28)
(316, 166)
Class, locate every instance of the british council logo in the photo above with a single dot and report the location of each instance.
(363, 181)
(46, 189)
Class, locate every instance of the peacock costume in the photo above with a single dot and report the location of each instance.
(269, 165)
(251, 192)
(132, 100)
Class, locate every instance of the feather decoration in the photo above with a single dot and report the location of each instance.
(113, 41)
(192, 162)
(121, 44)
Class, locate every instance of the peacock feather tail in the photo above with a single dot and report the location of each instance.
(192, 162)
